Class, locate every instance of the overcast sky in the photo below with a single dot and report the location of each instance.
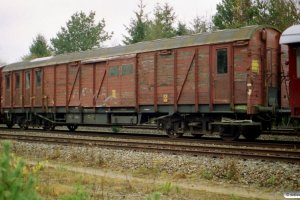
(22, 20)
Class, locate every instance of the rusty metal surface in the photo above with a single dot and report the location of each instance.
(161, 44)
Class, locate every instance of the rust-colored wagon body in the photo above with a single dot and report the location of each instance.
(229, 72)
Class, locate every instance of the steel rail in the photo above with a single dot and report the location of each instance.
(291, 156)
(150, 136)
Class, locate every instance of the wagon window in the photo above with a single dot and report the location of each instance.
(27, 80)
(298, 62)
(7, 81)
(38, 78)
(222, 61)
(114, 71)
(17, 76)
(126, 69)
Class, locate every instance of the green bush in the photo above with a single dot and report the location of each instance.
(14, 184)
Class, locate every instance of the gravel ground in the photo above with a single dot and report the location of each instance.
(271, 176)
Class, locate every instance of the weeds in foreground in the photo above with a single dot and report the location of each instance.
(156, 196)
(207, 174)
(231, 170)
(272, 181)
(234, 197)
(166, 188)
(80, 194)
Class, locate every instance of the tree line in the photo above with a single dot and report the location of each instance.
(82, 32)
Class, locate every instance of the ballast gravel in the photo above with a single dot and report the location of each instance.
(274, 176)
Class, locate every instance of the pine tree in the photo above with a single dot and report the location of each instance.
(39, 48)
(162, 24)
(137, 27)
(14, 185)
(182, 29)
(81, 33)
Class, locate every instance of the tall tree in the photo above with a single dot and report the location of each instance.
(137, 27)
(39, 48)
(234, 14)
(278, 13)
(200, 25)
(182, 29)
(162, 24)
(80, 34)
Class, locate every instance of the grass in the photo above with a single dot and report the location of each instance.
(231, 170)
(59, 183)
(155, 196)
(166, 188)
(206, 174)
(272, 181)
(80, 193)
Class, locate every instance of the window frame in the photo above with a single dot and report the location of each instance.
(114, 71)
(7, 81)
(38, 78)
(27, 79)
(220, 67)
(17, 80)
(127, 69)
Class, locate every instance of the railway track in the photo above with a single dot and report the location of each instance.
(160, 137)
(244, 152)
(286, 132)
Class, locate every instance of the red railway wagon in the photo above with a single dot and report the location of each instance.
(187, 83)
(291, 37)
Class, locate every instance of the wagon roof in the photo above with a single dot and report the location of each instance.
(290, 35)
(221, 36)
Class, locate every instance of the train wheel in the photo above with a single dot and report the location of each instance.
(251, 132)
(229, 132)
(48, 126)
(24, 124)
(9, 124)
(72, 127)
(173, 133)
